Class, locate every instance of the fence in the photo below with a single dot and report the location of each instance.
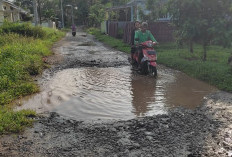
(113, 29)
(162, 31)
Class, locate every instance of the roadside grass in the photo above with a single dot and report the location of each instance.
(215, 71)
(14, 122)
(20, 61)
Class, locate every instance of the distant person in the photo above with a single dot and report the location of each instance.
(136, 28)
(143, 35)
(74, 29)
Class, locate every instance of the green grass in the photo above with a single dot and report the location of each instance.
(21, 60)
(214, 71)
(14, 122)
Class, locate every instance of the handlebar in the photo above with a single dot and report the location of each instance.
(147, 44)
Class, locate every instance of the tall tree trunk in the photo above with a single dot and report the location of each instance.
(191, 46)
(35, 12)
(39, 12)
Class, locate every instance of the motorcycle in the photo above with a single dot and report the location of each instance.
(74, 34)
(148, 62)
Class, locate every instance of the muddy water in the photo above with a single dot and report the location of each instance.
(96, 82)
(116, 93)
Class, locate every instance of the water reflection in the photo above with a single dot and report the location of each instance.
(116, 93)
(143, 94)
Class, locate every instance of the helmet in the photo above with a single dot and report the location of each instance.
(144, 24)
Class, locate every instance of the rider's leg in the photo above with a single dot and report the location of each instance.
(133, 50)
(140, 54)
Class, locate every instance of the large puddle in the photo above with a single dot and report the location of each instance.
(116, 93)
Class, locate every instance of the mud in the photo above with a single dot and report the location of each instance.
(205, 130)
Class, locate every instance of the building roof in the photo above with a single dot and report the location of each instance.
(15, 6)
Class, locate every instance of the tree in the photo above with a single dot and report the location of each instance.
(82, 12)
(46, 8)
(186, 20)
(201, 21)
(25, 4)
(96, 14)
(119, 2)
(156, 8)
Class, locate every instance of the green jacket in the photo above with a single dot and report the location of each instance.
(142, 37)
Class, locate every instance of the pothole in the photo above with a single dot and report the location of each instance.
(89, 43)
(90, 93)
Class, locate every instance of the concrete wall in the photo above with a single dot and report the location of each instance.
(104, 27)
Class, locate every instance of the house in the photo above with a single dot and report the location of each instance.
(10, 12)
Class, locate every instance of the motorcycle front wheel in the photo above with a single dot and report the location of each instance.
(74, 34)
(153, 71)
(144, 68)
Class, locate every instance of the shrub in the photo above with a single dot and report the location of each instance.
(24, 29)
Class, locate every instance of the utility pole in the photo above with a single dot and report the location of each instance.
(35, 12)
(62, 13)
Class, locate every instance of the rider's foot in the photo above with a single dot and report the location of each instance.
(133, 62)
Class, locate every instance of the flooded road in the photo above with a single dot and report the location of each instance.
(96, 82)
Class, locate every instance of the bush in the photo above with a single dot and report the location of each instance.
(24, 29)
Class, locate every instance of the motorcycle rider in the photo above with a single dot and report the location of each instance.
(142, 36)
(136, 28)
(74, 29)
